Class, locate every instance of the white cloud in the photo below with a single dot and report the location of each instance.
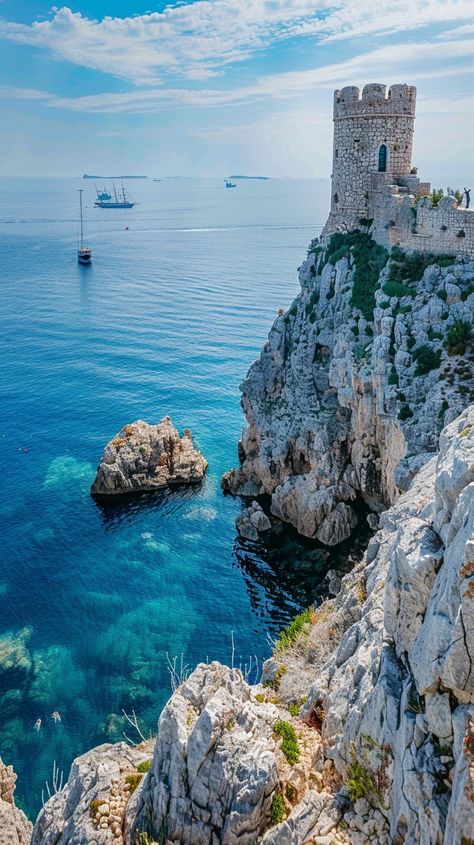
(9, 92)
(197, 40)
(411, 62)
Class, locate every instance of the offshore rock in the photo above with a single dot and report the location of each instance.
(15, 829)
(252, 522)
(143, 457)
(338, 405)
(214, 767)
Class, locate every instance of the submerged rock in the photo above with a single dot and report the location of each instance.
(15, 829)
(144, 457)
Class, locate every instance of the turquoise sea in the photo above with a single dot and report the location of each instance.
(167, 320)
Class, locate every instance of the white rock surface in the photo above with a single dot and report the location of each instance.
(143, 457)
(252, 522)
(15, 829)
(334, 405)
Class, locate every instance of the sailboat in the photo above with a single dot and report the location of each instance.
(84, 253)
(120, 200)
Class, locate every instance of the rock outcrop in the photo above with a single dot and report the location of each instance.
(355, 383)
(252, 522)
(363, 731)
(90, 809)
(143, 457)
(15, 829)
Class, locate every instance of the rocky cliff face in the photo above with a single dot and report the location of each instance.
(362, 732)
(15, 829)
(355, 383)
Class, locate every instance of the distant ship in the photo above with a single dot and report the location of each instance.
(84, 253)
(117, 201)
(230, 184)
(102, 195)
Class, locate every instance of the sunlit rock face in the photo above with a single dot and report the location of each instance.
(352, 389)
(15, 829)
(143, 457)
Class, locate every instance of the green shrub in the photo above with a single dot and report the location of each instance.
(401, 396)
(445, 260)
(290, 634)
(294, 709)
(294, 310)
(289, 745)
(360, 780)
(404, 309)
(369, 331)
(342, 252)
(133, 780)
(436, 195)
(461, 234)
(393, 377)
(369, 260)
(393, 288)
(314, 248)
(144, 766)
(277, 811)
(260, 697)
(385, 304)
(411, 342)
(442, 294)
(427, 359)
(405, 413)
(433, 335)
(355, 330)
(458, 337)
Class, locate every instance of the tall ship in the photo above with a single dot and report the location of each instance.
(117, 200)
(84, 253)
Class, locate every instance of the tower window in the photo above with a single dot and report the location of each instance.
(336, 198)
(337, 154)
(382, 158)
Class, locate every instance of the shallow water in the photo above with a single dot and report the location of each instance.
(166, 321)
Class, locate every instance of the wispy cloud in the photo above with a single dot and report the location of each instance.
(413, 60)
(196, 41)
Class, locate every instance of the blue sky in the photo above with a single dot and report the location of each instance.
(213, 87)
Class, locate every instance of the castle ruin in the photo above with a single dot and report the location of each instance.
(374, 183)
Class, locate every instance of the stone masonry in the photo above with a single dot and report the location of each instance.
(372, 179)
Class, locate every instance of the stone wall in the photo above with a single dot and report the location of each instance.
(395, 199)
(362, 123)
(401, 219)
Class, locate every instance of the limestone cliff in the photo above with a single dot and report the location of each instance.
(355, 382)
(362, 732)
(15, 829)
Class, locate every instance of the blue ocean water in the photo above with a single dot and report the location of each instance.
(165, 321)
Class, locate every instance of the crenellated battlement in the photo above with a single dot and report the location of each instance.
(372, 176)
(375, 100)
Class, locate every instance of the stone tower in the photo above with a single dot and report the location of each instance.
(373, 137)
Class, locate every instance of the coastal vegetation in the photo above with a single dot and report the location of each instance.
(289, 746)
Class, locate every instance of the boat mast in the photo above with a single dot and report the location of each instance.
(123, 193)
(80, 204)
(115, 192)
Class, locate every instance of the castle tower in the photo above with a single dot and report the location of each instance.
(373, 134)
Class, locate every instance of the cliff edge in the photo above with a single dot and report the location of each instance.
(355, 382)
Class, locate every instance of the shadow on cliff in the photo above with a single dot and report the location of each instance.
(285, 572)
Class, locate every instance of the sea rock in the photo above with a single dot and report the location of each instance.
(338, 526)
(214, 767)
(15, 829)
(143, 457)
(252, 522)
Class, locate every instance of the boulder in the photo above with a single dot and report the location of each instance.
(144, 457)
(252, 522)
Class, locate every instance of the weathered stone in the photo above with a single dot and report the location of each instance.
(15, 829)
(143, 457)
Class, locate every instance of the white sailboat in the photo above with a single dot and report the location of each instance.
(84, 253)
